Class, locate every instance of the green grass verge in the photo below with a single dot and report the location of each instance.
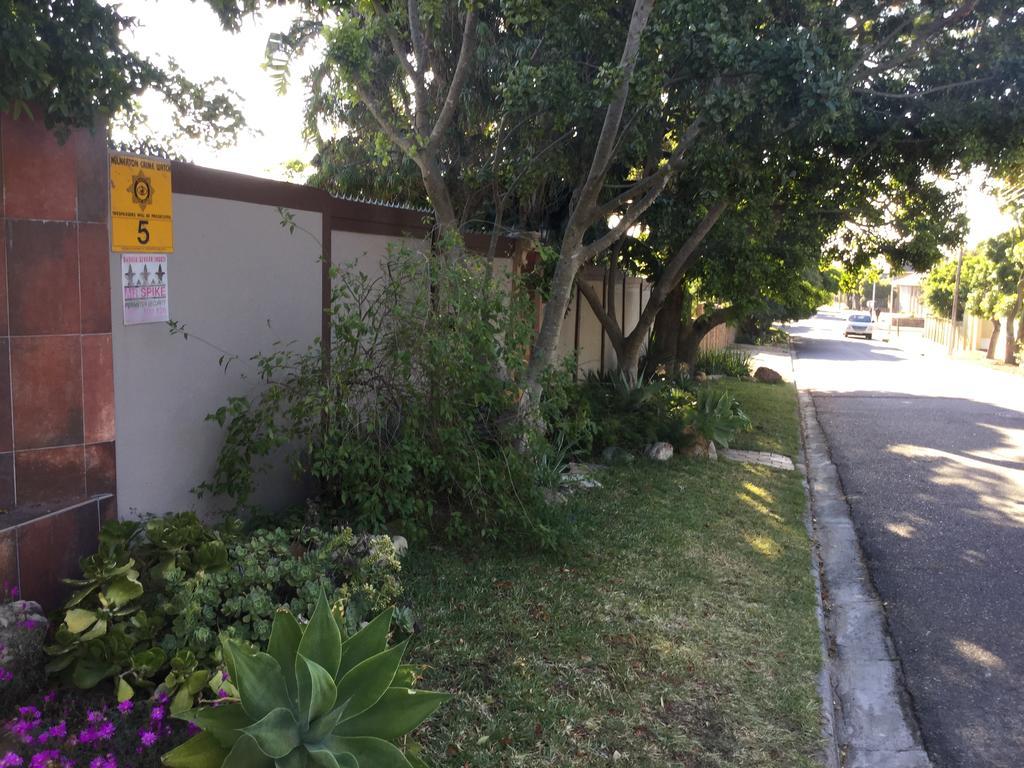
(678, 629)
(772, 409)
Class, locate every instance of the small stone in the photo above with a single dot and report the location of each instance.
(660, 451)
(712, 452)
(553, 498)
(401, 545)
(767, 376)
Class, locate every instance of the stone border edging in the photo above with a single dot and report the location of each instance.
(866, 723)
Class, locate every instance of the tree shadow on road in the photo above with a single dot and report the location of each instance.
(936, 486)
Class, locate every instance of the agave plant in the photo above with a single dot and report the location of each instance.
(312, 700)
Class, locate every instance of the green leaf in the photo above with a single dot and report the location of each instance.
(124, 691)
(99, 629)
(78, 620)
(367, 642)
(197, 681)
(321, 639)
(201, 751)
(260, 682)
(277, 734)
(317, 691)
(366, 683)
(80, 595)
(284, 644)
(182, 701)
(246, 754)
(89, 673)
(397, 712)
(322, 758)
(374, 753)
(123, 590)
(225, 723)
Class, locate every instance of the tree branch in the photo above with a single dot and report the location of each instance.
(462, 68)
(629, 218)
(673, 272)
(609, 323)
(419, 91)
(612, 120)
(660, 175)
(921, 94)
(401, 140)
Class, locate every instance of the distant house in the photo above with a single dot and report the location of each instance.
(906, 295)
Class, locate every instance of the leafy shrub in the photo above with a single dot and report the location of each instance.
(413, 425)
(273, 569)
(312, 699)
(724, 362)
(68, 729)
(22, 630)
(718, 416)
(156, 597)
(634, 414)
(565, 411)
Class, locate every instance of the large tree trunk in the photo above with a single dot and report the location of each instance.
(666, 332)
(993, 339)
(689, 341)
(1010, 358)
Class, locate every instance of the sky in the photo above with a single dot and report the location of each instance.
(191, 33)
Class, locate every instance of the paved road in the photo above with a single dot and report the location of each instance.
(931, 455)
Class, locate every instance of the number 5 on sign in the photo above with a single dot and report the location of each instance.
(141, 214)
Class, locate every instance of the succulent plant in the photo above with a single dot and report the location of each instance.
(313, 699)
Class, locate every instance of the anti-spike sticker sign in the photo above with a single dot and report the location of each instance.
(141, 217)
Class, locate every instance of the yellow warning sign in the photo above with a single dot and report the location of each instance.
(141, 216)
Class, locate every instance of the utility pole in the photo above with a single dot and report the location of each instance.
(956, 301)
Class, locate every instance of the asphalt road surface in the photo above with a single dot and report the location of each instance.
(931, 455)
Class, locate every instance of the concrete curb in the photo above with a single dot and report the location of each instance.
(867, 722)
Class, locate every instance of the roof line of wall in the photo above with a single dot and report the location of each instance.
(345, 215)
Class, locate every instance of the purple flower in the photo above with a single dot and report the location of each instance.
(103, 761)
(124, 707)
(162, 697)
(192, 729)
(147, 738)
(5, 675)
(50, 697)
(59, 731)
(94, 716)
(49, 758)
(156, 714)
(106, 731)
(11, 760)
(31, 712)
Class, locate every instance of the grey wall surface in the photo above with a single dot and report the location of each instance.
(239, 282)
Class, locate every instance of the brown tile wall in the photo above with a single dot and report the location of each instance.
(56, 367)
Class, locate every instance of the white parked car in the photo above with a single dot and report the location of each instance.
(859, 324)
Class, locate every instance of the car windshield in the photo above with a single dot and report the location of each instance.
(860, 318)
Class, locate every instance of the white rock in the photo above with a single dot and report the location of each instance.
(659, 451)
(401, 545)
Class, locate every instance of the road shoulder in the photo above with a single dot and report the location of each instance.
(867, 720)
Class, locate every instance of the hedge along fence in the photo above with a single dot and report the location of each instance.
(240, 283)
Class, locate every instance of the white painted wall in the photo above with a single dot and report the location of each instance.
(239, 282)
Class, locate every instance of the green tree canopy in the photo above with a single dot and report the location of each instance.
(65, 59)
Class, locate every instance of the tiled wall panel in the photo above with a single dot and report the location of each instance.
(56, 375)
